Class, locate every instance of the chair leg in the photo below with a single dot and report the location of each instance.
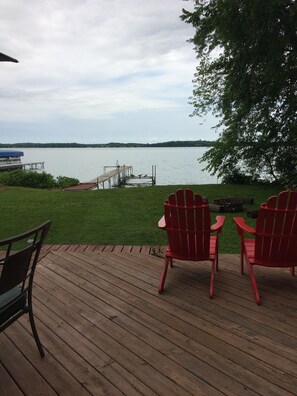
(213, 264)
(253, 283)
(164, 273)
(217, 256)
(241, 257)
(292, 270)
(35, 334)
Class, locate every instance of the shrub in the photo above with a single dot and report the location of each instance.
(64, 181)
(42, 180)
(237, 177)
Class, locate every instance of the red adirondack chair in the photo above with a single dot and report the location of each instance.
(275, 243)
(187, 222)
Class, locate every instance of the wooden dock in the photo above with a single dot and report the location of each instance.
(119, 176)
(107, 331)
(33, 166)
(112, 177)
(30, 166)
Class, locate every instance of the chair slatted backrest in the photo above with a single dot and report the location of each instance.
(188, 224)
(19, 256)
(276, 230)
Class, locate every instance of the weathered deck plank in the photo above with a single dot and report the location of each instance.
(106, 330)
(98, 248)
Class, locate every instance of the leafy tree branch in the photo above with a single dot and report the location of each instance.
(247, 76)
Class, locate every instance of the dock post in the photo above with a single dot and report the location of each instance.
(154, 174)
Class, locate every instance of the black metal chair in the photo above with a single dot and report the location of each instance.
(18, 258)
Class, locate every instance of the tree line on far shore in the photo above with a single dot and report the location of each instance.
(173, 143)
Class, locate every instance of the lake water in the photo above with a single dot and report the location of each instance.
(174, 165)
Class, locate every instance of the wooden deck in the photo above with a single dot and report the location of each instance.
(102, 248)
(106, 331)
(82, 187)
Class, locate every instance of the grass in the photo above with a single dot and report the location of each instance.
(113, 217)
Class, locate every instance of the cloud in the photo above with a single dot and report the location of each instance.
(94, 60)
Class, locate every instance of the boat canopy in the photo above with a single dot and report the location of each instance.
(11, 153)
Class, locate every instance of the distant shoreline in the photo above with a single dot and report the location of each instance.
(185, 143)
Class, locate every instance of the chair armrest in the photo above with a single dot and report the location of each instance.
(162, 223)
(242, 227)
(217, 227)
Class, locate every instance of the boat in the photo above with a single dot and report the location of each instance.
(10, 160)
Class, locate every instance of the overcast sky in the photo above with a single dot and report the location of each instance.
(97, 71)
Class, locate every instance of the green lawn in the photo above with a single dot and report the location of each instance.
(116, 216)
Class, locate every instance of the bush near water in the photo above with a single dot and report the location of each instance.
(21, 178)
